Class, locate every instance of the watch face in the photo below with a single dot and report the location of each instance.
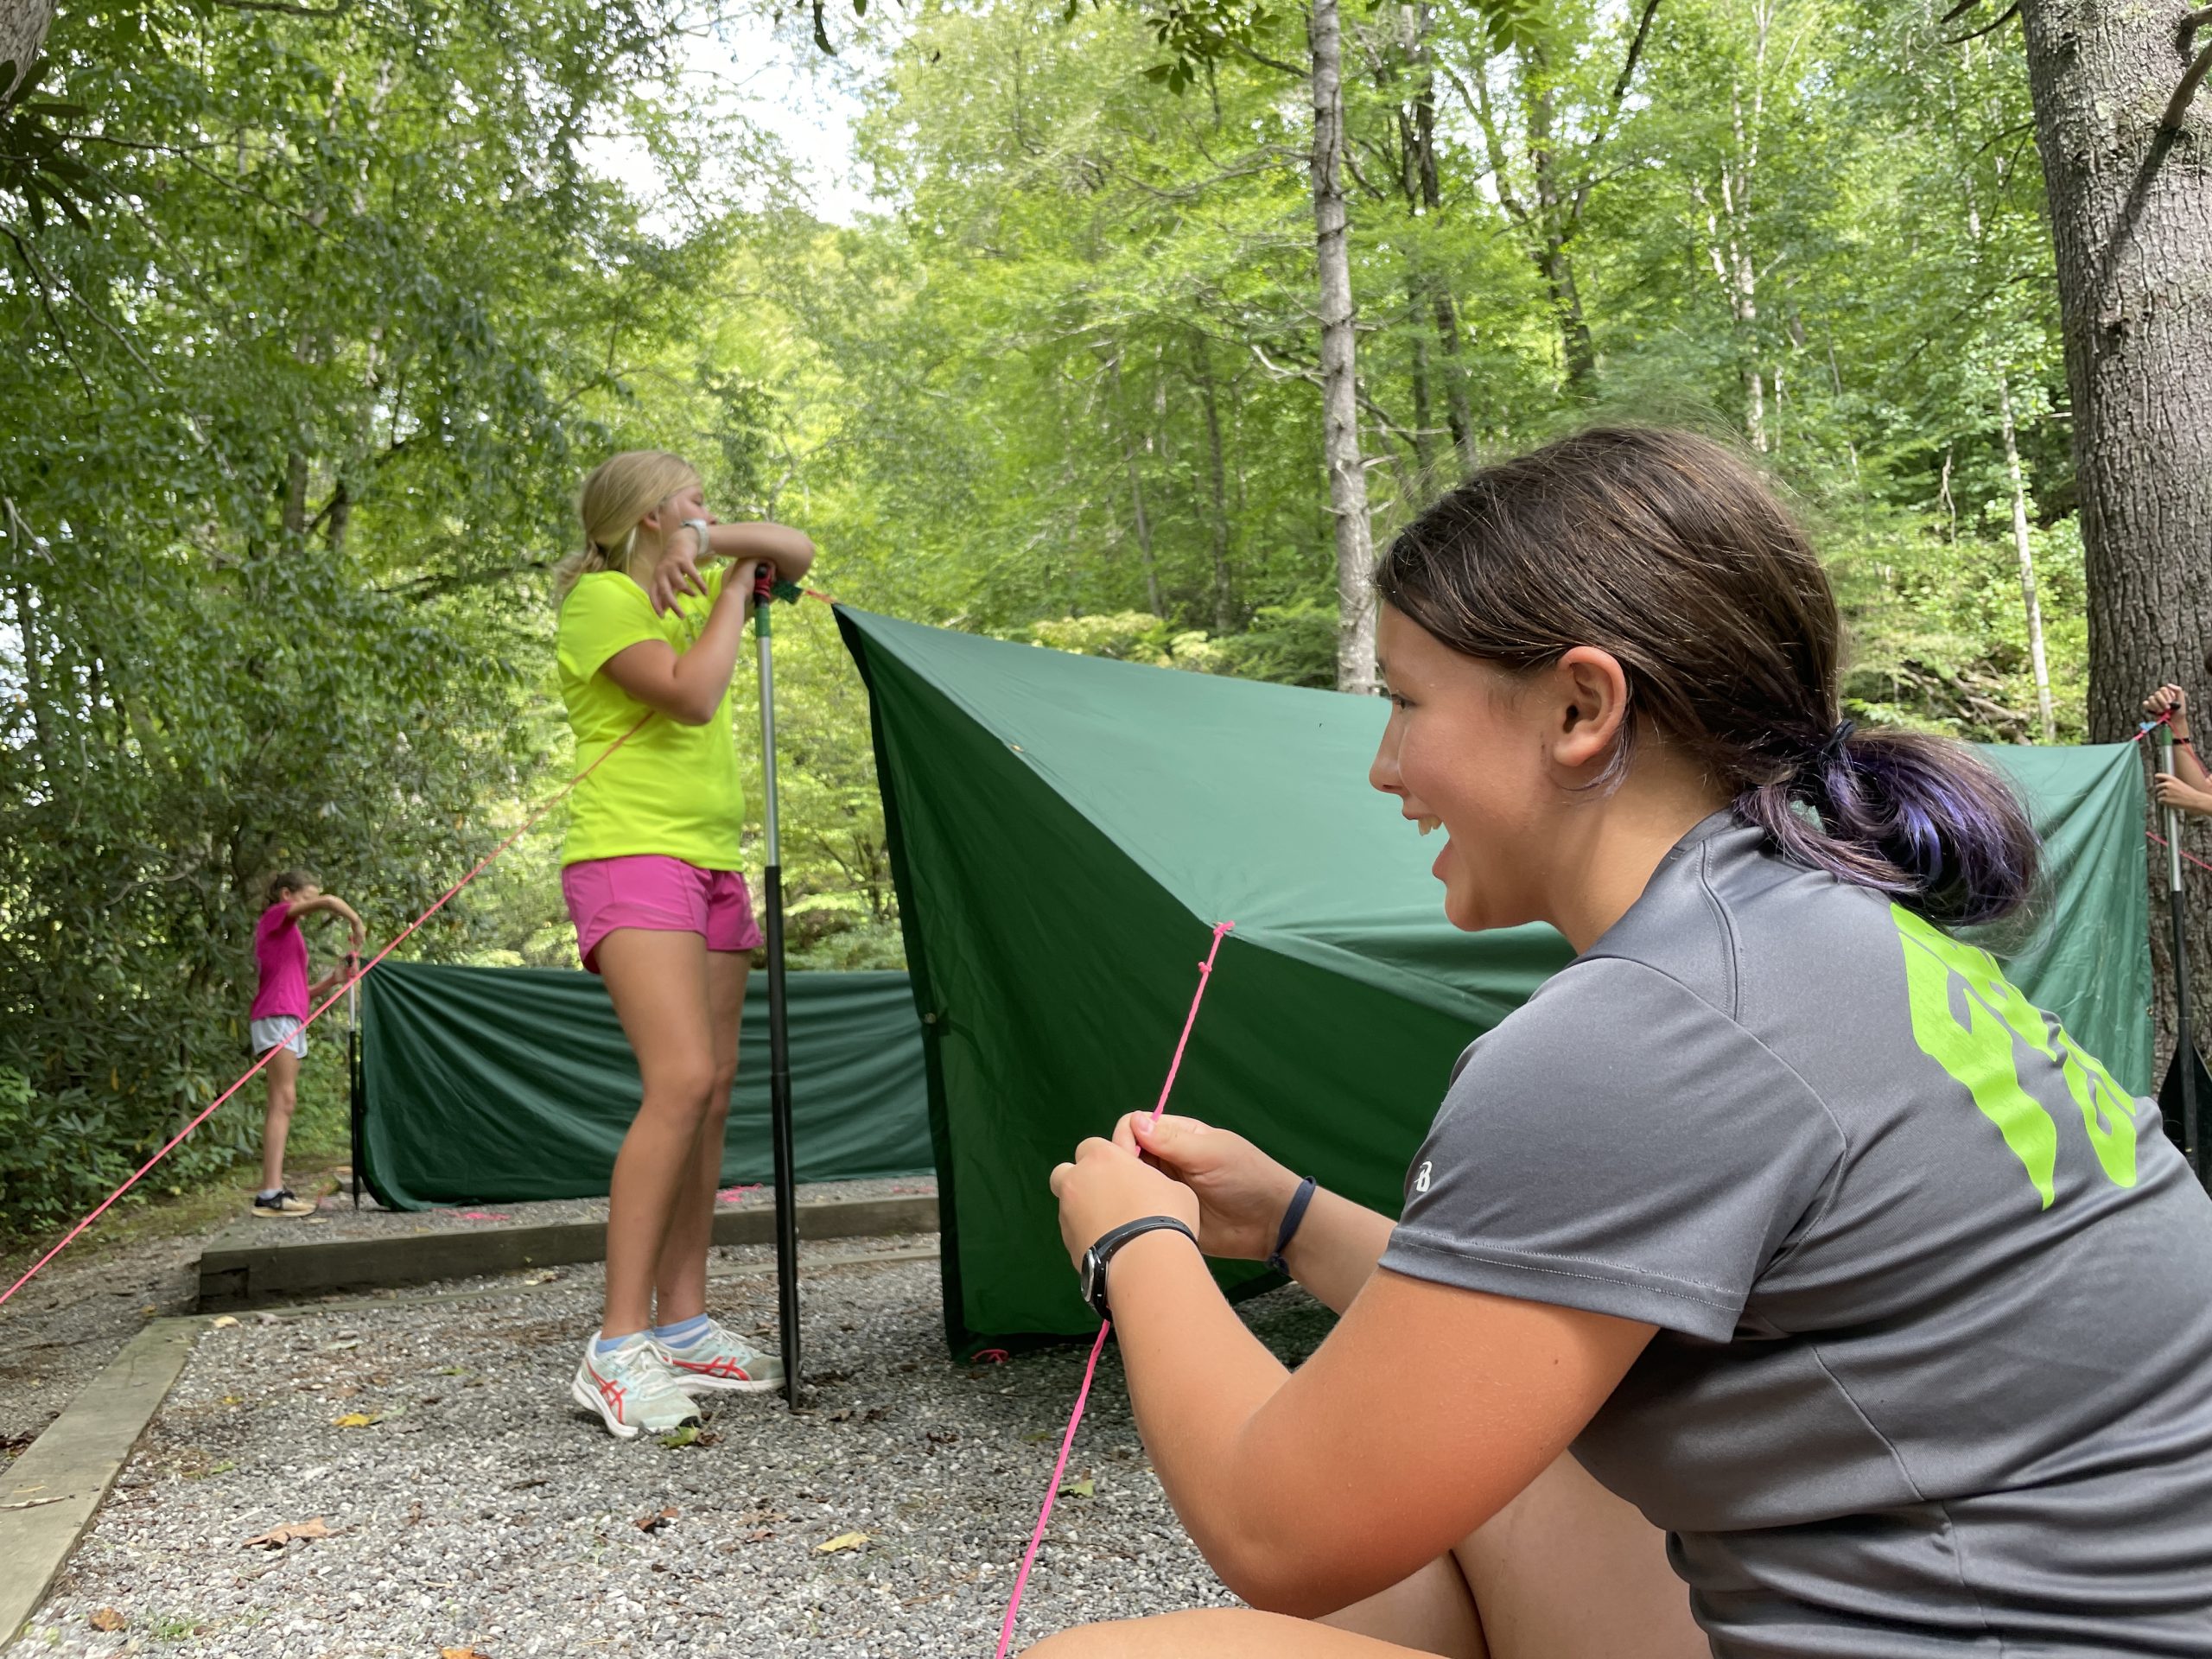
(1090, 1277)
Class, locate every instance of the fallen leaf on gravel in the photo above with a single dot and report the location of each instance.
(1083, 1488)
(355, 1420)
(761, 1537)
(278, 1537)
(842, 1541)
(654, 1520)
(462, 1653)
(107, 1619)
(223, 1324)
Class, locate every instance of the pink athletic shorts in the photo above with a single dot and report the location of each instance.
(653, 891)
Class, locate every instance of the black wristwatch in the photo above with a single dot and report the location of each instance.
(1095, 1258)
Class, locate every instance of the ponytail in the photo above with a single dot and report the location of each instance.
(1667, 550)
(1921, 818)
(286, 881)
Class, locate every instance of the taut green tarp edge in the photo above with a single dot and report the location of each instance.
(1064, 831)
(506, 1084)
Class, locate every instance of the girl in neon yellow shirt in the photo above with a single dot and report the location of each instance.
(650, 628)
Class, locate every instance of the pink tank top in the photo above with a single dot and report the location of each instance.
(280, 952)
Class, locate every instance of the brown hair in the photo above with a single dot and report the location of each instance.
(286, 881)
(1671, 553)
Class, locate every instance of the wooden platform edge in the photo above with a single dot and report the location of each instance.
(253, 1268)
(49, 1495)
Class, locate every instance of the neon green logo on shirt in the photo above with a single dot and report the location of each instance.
(1979, 1053)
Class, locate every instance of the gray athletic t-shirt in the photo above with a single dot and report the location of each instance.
(1934, 1366)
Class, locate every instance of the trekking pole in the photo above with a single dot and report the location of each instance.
(356, 1107)
(2185, 1027)
(779, 1070)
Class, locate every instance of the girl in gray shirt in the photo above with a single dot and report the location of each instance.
(1778, 1281)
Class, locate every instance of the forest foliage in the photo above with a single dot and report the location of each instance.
(291, 421)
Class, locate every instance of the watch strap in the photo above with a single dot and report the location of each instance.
(1103, 1252)
(1292, 1214)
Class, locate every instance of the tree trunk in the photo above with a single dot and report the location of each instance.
(2131, 220)
(1425, 193)
(27, 633)
(1136, 504)
(1578, 350)
(24, 25)
(295, 499)
(342, 516)
(1339, 365)
(2030, 602)
(1417, 372)
(1224, 593)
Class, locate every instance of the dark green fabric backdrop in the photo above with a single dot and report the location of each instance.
(504, 1085)
(1065, 830)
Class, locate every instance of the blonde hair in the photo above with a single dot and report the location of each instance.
(621, 490)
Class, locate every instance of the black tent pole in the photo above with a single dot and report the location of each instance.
(779, 1069)
(356, 1107)
(2184, 1026)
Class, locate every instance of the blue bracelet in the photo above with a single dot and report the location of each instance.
(1291, 1217)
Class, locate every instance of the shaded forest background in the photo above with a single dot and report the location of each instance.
(299, 382)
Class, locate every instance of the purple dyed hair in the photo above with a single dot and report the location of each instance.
(1665, 550)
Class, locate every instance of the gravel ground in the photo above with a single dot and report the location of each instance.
(60, 1329)
(482, 1512)
(66, 1324)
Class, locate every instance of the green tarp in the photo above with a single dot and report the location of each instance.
(1065, 830)
(505, 1085)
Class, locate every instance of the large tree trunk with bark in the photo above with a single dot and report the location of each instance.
(2131, 217)
(1339, 365)
(24, 25)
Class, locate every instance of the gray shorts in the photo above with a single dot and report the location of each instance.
(279, 1031)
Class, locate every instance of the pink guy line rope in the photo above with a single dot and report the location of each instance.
(553, 801)
(1090, 1370)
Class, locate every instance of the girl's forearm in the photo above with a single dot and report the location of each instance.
(702, 672)
(1196, 1378)
(792, 551)
(1336, 1248)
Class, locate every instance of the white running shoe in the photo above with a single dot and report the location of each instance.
(720, 1359)
(632, 1387)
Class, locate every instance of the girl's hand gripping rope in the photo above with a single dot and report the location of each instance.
(1241, 1191)
(1107, 1185)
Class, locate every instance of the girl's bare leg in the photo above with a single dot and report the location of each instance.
(284, 1075)
(680, 1278)
(1566, 1571)
(659, 983)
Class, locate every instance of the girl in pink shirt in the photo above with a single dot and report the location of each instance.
(279, 1013)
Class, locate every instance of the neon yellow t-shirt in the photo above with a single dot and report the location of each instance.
(672, 788)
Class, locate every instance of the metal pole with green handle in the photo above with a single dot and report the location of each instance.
(779, 1070)
(2184, 1026)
